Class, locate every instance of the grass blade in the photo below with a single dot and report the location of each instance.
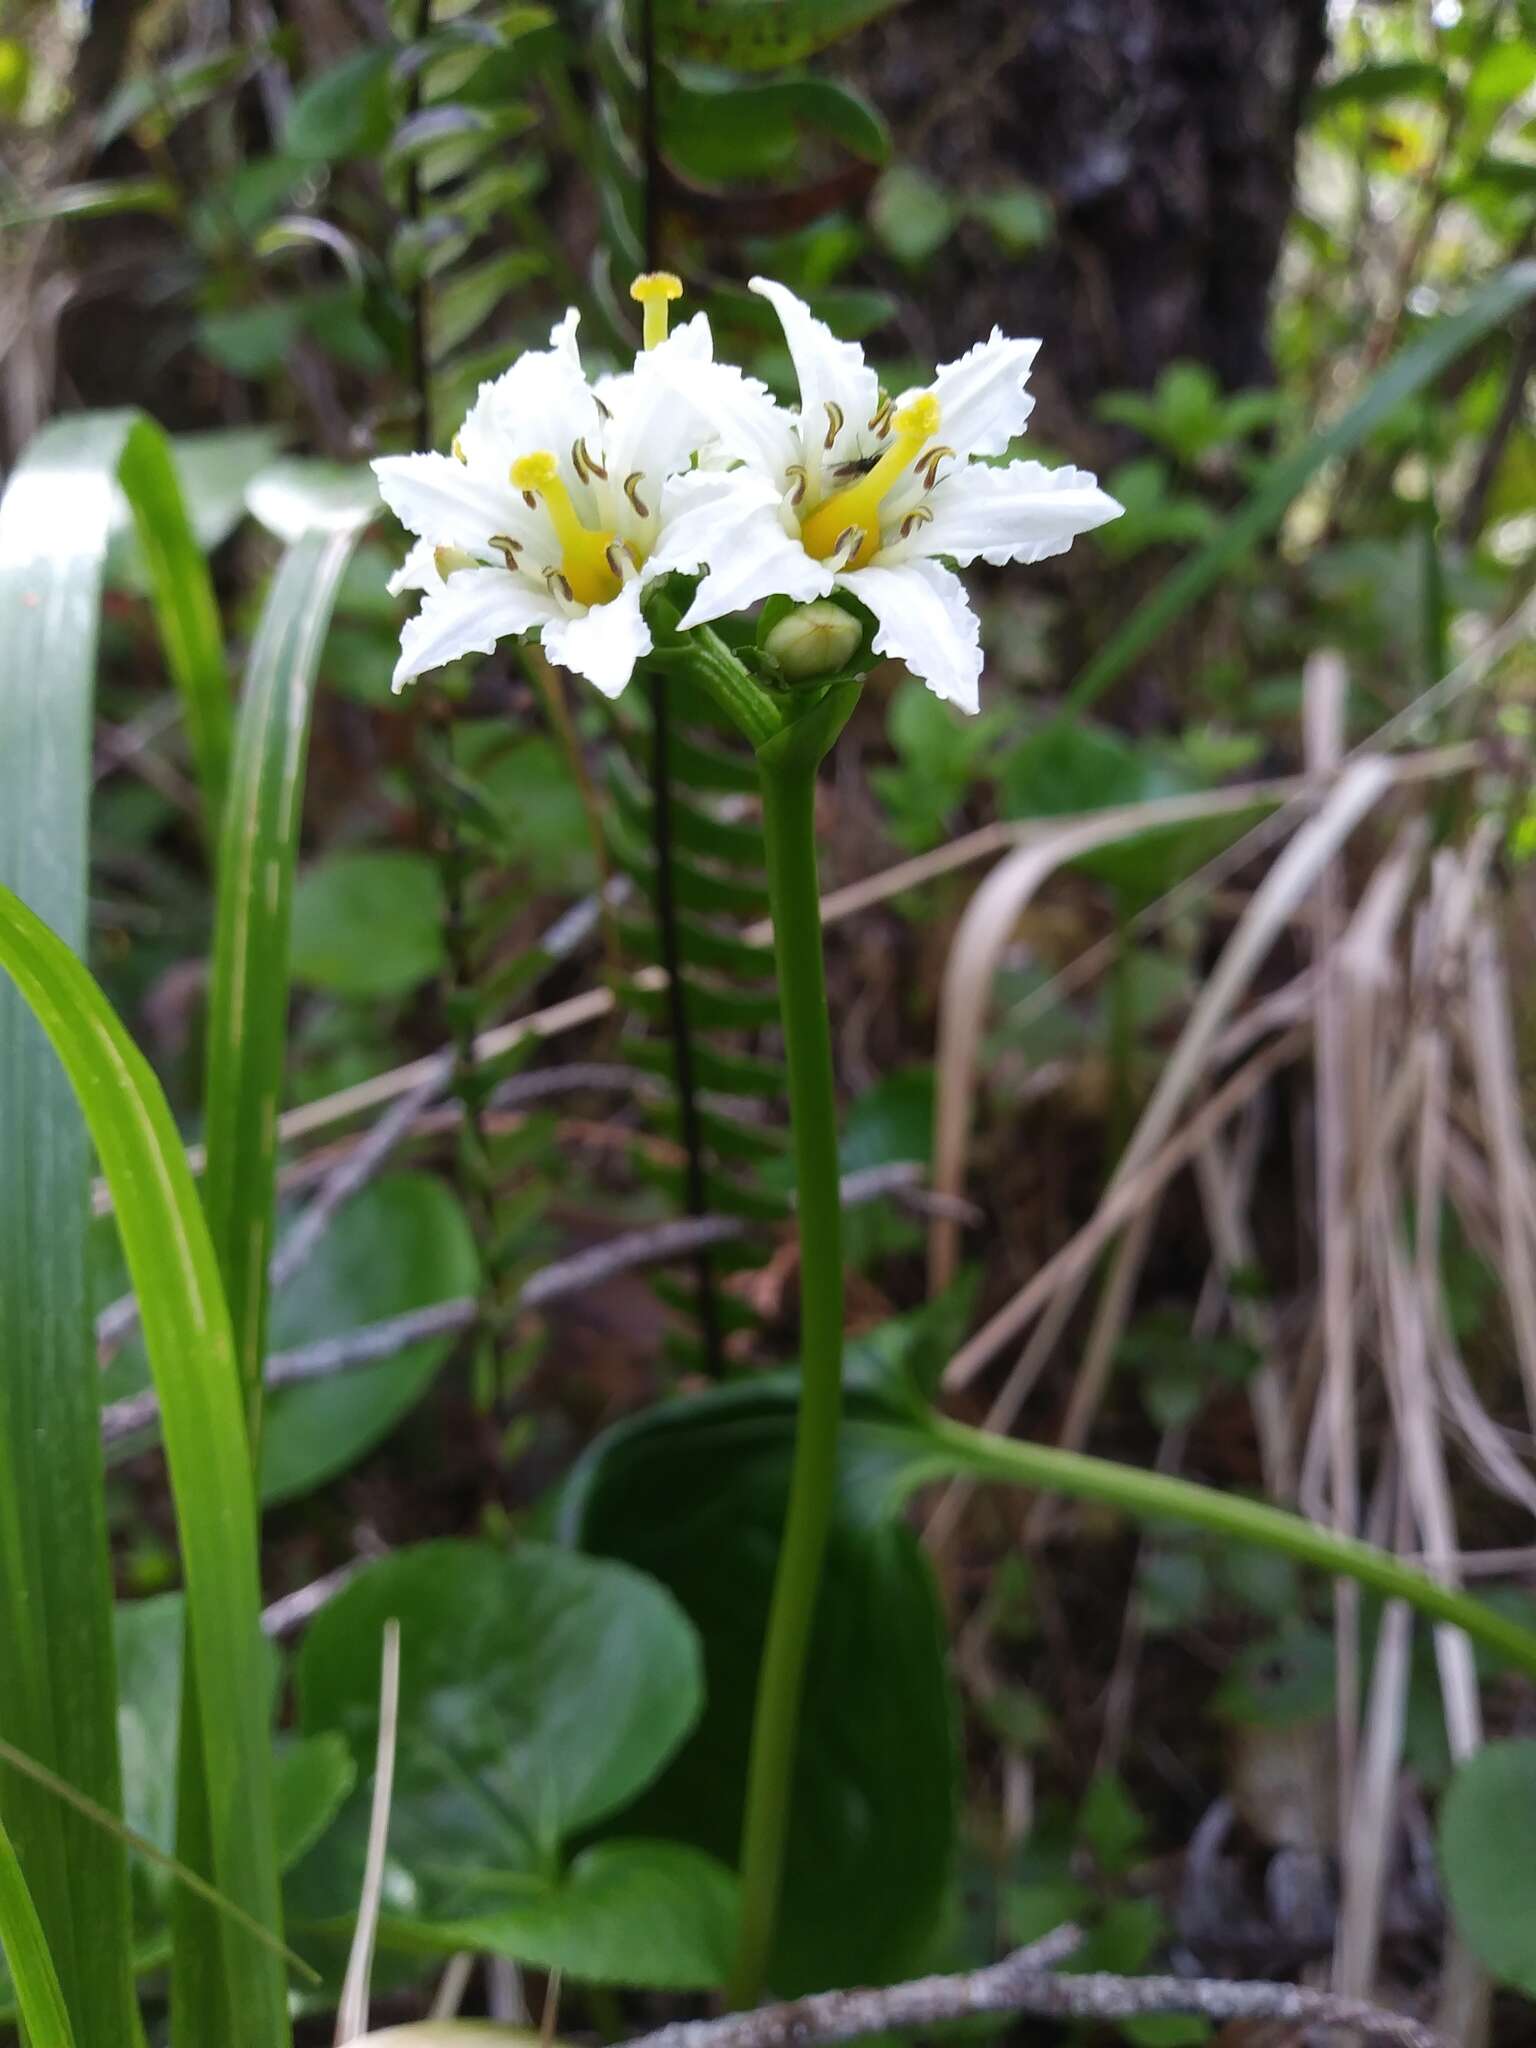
(43, 2011)
(1490, 307)
(185, 606)
(191, 1350)
(248, 996)
(59, 1696)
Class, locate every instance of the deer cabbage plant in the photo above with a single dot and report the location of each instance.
(575, 510)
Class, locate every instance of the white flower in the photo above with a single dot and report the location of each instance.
(560, 503)
(858, 493)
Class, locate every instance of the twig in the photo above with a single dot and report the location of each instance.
(1025, 1982)
(658, 1244)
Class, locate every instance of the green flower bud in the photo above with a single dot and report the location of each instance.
(813, 640)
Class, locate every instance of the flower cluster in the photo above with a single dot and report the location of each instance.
(565, 498)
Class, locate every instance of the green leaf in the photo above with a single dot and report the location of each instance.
(1020, 217)
(248, 985)
(403, 1243)
(1371, 84)
(654, 1914)
(1487, 309)
(368, 924)
(343, 111)
(96, 199)
(43, 2011)
(540, 1691)
(725, 132)
(213, 470)
(874, 1799)
(759, 35)
(191, 1349)
(55, 1594)
(912, 216)
(1488, 1856)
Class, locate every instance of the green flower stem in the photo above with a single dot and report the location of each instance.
(787, 766)
(1156, 1496)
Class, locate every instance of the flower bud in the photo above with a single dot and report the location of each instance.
(813, 640)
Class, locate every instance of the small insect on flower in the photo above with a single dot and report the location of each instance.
(562, 500)
(873, 496)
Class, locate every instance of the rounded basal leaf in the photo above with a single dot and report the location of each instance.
(874, 1797)
(657, 1914)
(402, 1244)
(368, 924)
(1488, 1857)
(540, 1691)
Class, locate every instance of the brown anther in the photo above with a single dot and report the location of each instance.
(920, 515)
(632, 492)
(586, 463)
(531, 500)
(620, 558)
(801, 482)
(508, 548)
(604, 412)
(880, 420)
(834, 421)
(559, 585)
(849, 541)
(928, 468)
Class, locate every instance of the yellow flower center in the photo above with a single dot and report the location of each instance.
(584, 553)
(655, 290)
(856, 510)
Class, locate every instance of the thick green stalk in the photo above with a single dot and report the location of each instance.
(787, 766)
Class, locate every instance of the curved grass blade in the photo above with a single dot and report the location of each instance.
(43, 2011)
(1488, 308)
(1158, 1496)
(191, 1350)
(248, 995)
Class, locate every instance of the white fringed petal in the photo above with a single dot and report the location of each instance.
(982, 401)
(604, 643)
(468, 614)
(926, 621)
(1021, 513)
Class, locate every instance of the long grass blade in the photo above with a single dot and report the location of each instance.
(43, 2011)
(191, 1351)
(248, 995)
(59, 1694)
(1488, 308)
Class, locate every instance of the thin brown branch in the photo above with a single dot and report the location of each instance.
(1026, 1982)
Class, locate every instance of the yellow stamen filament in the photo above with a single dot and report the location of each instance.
(655, 290)
(583, 566)
(824, 533)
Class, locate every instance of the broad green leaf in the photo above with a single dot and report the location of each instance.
(1488, 1857)
(343, 111)
(403, 1243)
(55, 1597)
(874, 1799)
(368, 924)
(248, 989)
(655, 1914)
(43, 2010)
(213, 470)
(758, 35)
(191, 1350)
(1488, 308)
(540, 1691)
